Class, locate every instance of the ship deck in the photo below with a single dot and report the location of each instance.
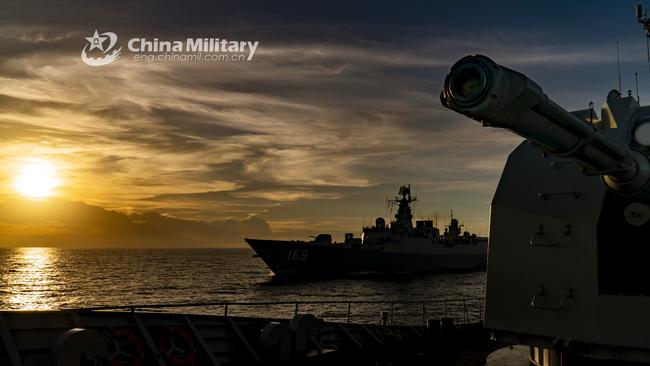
(220, 334)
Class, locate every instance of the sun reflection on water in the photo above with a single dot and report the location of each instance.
(31, 279)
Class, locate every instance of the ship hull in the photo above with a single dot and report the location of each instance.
(299, 258)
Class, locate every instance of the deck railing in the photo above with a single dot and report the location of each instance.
(462, 310)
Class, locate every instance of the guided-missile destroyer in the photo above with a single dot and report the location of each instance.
(395, 248)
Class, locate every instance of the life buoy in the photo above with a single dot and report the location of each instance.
(176, 345)
(125, 348)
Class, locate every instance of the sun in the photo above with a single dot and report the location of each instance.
(37, 179)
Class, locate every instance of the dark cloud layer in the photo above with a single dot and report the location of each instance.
(75, 224)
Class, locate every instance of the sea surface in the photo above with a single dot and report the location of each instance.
(50, 278)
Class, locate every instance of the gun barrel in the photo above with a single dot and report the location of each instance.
(497, 96)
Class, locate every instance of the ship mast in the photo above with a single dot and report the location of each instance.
(403, 217)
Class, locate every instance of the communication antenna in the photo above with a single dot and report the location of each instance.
(386, 209)
(389, 203)
(642, 17)
(636, 81)
(618, 67)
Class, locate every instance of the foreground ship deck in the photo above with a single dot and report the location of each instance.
(101, 337)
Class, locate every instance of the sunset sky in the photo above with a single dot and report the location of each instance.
(339, 107)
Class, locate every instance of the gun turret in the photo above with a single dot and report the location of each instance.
(497, 96)
(567, 253)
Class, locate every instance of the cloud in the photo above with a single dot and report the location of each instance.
(267, 134)
(75, 224)
(333, 114)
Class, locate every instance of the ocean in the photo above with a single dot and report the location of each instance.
(51, 278)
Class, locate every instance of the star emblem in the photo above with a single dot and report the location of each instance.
(96, 41)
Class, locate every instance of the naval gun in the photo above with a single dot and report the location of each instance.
(569, 247)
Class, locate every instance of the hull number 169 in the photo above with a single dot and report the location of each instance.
(297, 255)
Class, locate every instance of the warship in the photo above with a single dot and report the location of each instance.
(395, 248)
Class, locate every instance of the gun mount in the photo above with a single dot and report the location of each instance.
(568, 249)
(500, 97)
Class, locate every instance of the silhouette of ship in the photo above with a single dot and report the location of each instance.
(395, 248)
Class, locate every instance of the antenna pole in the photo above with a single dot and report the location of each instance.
(618, 66)
(642, 18)
(636, 81)
(647, 49)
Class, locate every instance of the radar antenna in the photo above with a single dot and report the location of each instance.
(642, 17)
